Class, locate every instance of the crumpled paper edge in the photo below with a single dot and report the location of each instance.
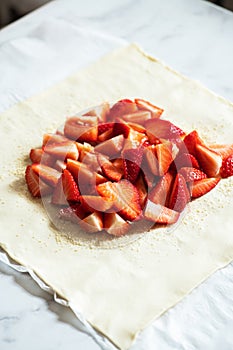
(101, 340)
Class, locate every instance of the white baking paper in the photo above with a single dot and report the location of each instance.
(46, 55)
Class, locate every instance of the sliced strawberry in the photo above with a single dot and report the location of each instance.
(63, 150)
(192, 174)
(180, 195)
(137, 127)
(150, 158)
(36, 154)
(83, 149)
(120, 127)
(105, 135)
(147, 106)
(72, 213)
(91, 160)
(191, 141)
(201, 187)
(149, 177)
(107, 190)
(136, 137)
(82, 128)
(227, 167)
(160, 214)
(163, 129)
(66, 190)
(59, 165)
(142, 190)
(223, 150)
(119, 164)
(53, 138)
(185, 160)
(111, 147)
(209, 161)
(138, 117)
(160, 194)
(124, 195)
(132, 159)
(84, 177)
(95, 203)
(92, 223)
(108, 169)
(36, 186)
(115, 225)
(101, 112)
(127, 201)
(103, 127)
(164, 156)
(47, 174)
(122, 107)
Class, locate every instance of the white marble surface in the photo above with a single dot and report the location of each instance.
(190, 35)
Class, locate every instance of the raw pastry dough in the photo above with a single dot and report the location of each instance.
(120, 290)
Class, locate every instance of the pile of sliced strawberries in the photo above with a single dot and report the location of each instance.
(116, 165)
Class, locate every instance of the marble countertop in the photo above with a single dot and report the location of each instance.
(192, 36)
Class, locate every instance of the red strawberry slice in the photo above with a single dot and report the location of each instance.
(201, 187)
(36, 186)
(115, 225)
(105, 135)
(124, 195)
(122, 107)
(91, 160)
(36, 154)
(137, 117)
(119, 164)
(137, 127)
(191, 141)
(160, 214)
(72, 213)
(142, 190)
(160, 194)
(120, 128)
(132, 159)
(63, 150)
(227, 167)
(84, 177)
(83, 149)
(101, 112)
(60, 165)
(92, 223)
(66, 190)
(108, 191)
(111, 147)
(147, 106)
(209, 161)
(103, 127)
(82, 128)
(108, 169)
(150, 159)
(53, 138)
(192, 174)
(180, 195)
(95, 203)
(46, 173)
(163, 129)
(223, 150)
(127, 200)
(185, 160)
(164, 156)
(136, 138)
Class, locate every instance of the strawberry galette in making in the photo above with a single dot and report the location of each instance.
(113, 166)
